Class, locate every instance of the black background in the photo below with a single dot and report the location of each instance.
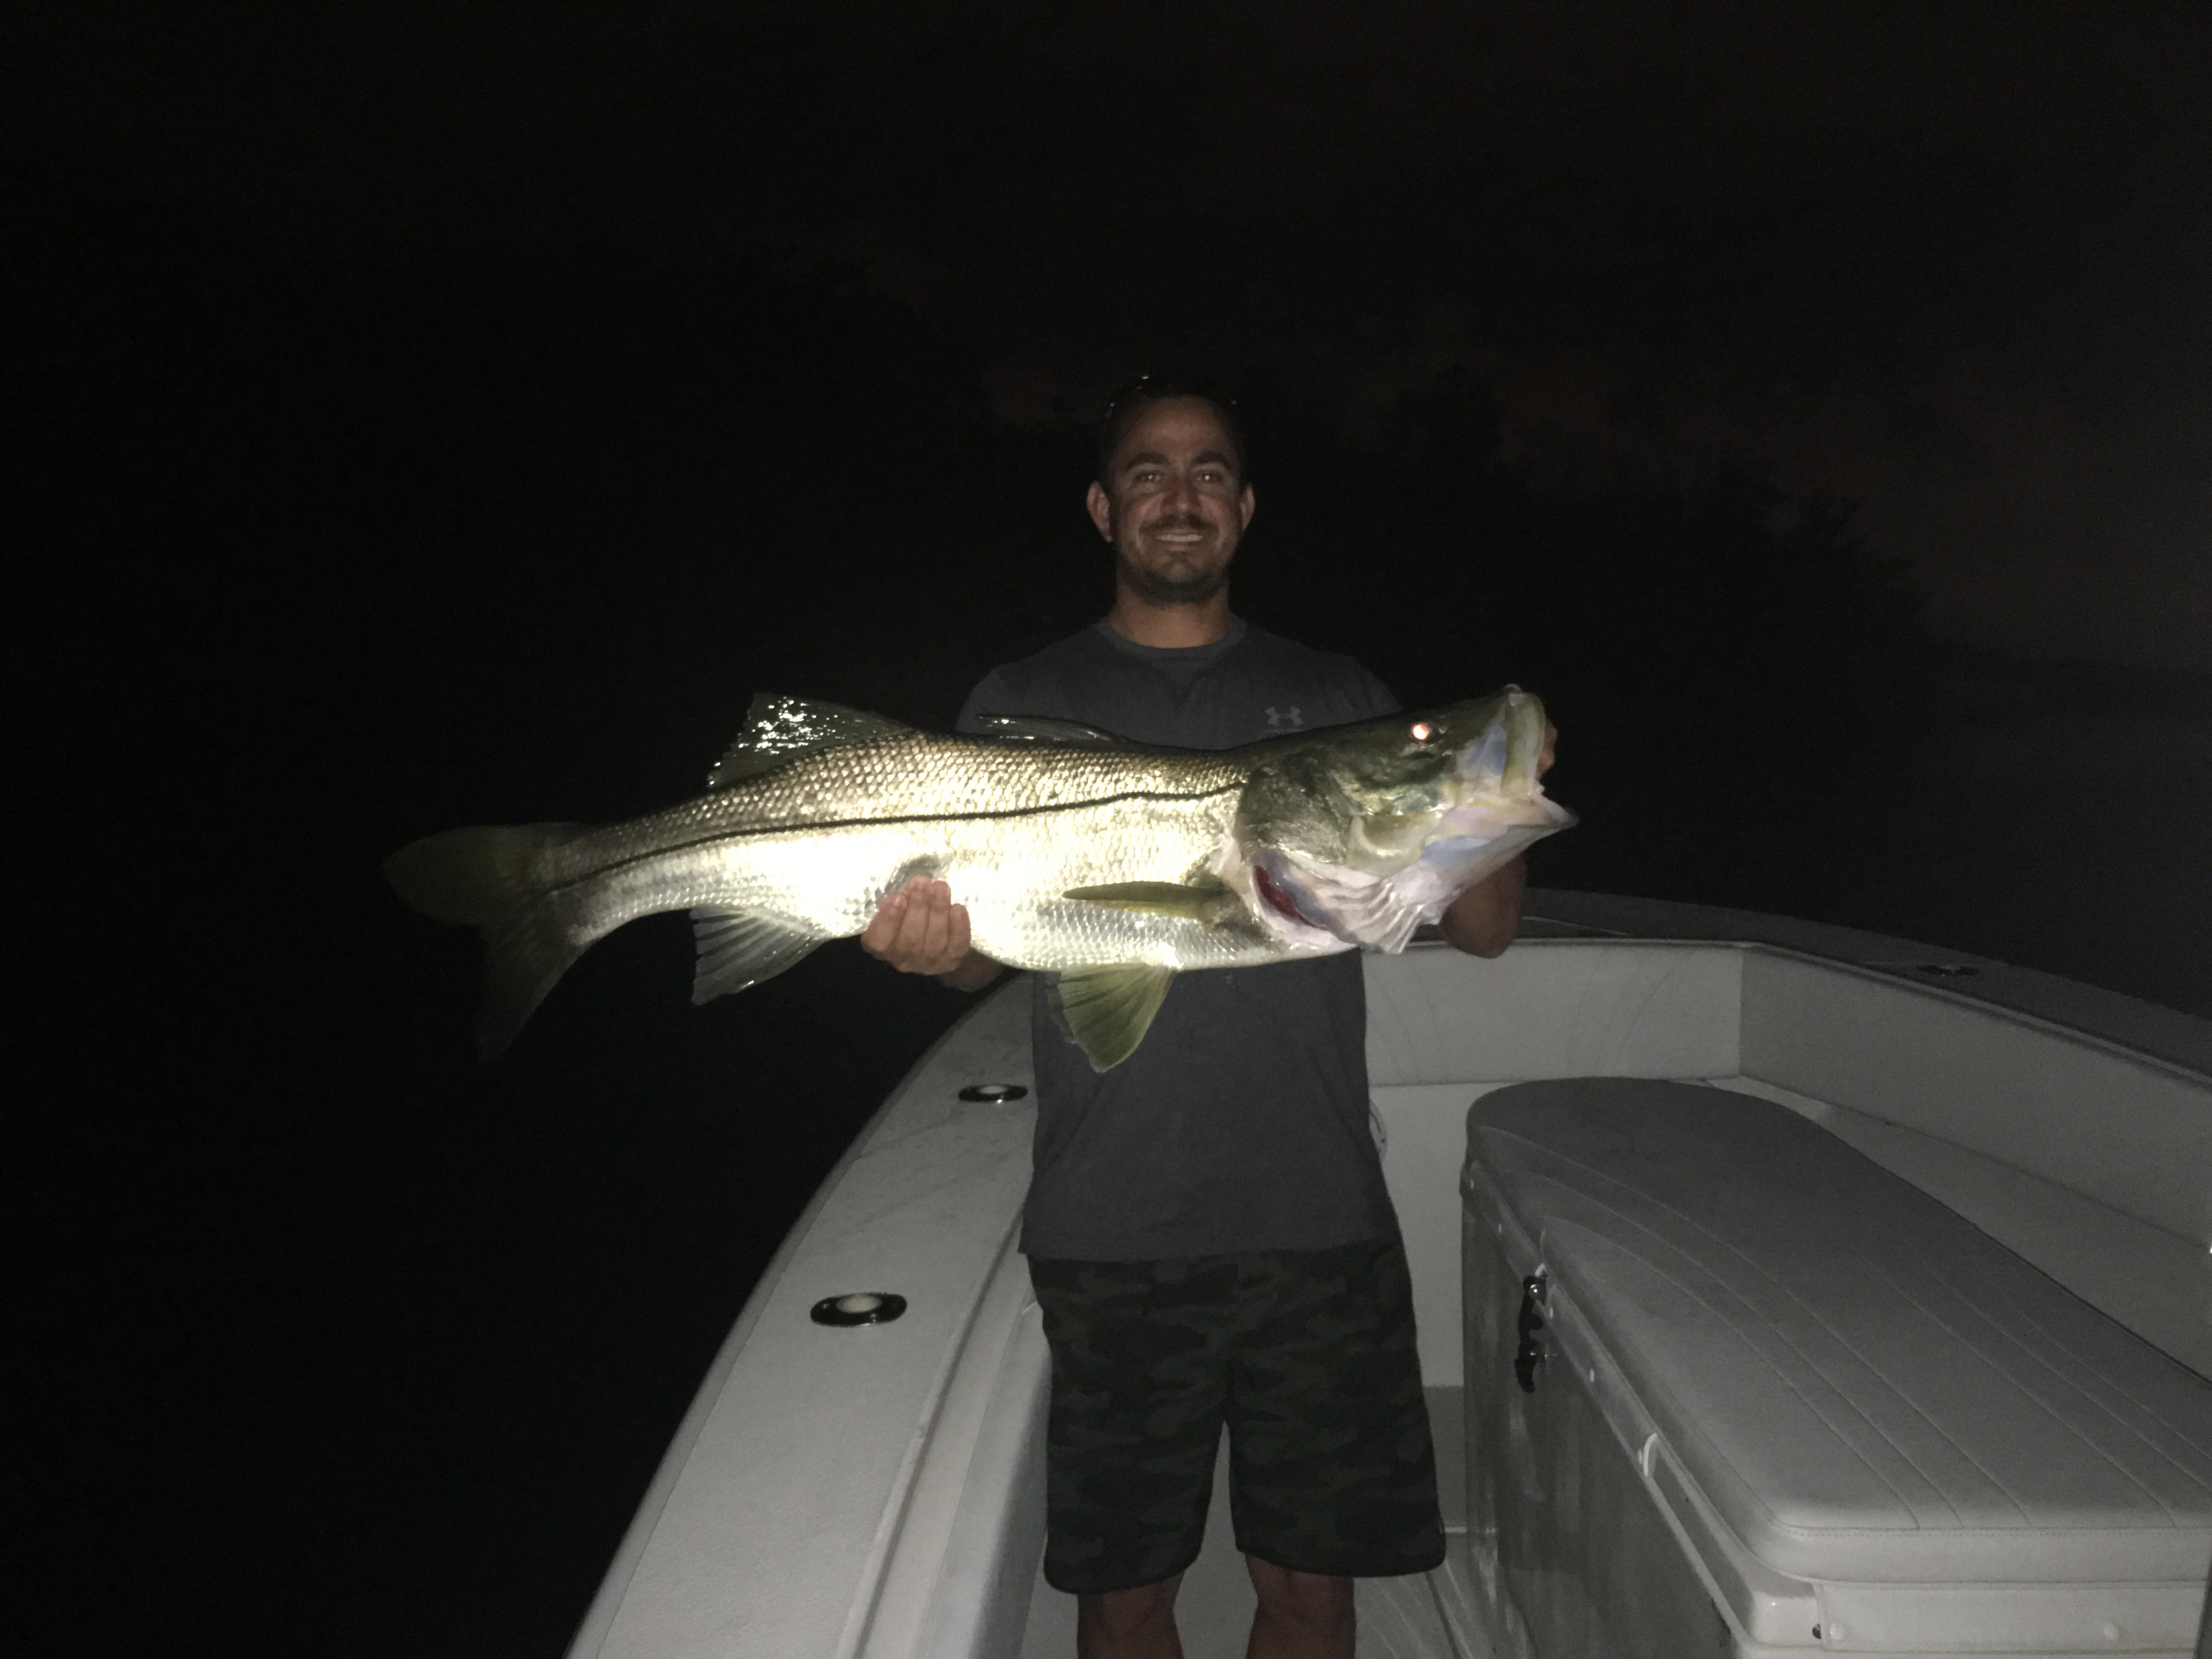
(427, 417)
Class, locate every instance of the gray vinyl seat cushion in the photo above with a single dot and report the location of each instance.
(1864, 1385)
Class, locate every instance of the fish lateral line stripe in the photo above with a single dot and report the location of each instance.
(694, 844)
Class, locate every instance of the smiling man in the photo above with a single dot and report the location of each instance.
(1178, 506)
(1207, 1228)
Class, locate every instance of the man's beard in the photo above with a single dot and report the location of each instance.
(1156, 588)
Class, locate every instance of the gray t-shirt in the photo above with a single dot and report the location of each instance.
(1241, 1123)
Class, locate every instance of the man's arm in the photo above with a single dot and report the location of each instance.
(1483, 920)
(919, 930)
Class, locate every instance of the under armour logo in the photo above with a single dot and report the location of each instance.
(1279, 718)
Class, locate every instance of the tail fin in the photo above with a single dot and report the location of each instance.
(488, 878)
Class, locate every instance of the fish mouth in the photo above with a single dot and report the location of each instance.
(1504, 756)
(1482, 762)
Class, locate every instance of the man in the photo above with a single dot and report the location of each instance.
(1207, 1228)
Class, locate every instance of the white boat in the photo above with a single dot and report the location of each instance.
(875, 1489)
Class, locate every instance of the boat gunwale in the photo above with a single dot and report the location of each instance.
(2009, 989)
(592, 1631)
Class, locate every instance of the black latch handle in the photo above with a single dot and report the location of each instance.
(1530, 1358)
(1533, 1290)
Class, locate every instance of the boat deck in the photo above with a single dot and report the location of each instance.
(1436, 1615)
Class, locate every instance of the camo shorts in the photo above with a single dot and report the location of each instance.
(1307, 1356)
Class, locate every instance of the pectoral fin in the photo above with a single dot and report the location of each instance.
(1108, 1010)
(1213, 904)
(738, 949)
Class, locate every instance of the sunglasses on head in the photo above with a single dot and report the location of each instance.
(1146, 387)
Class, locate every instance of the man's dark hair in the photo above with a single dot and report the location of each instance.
(1132, 400)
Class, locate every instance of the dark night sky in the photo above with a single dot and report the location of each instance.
(1950, 260)
(441, 413)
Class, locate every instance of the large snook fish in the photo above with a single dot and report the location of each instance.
(1109, 866)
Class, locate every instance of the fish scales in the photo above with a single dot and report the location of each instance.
(821, 840)
(922, 776)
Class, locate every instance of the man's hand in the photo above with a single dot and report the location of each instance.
(919, 930)
(1483, 920)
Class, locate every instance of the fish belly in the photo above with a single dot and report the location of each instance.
(1011, 872)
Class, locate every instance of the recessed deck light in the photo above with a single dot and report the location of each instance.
(859, 1308)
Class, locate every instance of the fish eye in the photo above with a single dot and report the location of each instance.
(1423, 731)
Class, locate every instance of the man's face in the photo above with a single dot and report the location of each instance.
(1175, 503)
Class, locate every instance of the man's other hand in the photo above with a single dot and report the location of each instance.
(919, 930)
(1483, 920)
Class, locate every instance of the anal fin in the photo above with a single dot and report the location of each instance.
(738, 948)
(1108, 1010)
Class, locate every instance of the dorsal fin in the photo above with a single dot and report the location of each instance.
(780, 728)
(1037, 728)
